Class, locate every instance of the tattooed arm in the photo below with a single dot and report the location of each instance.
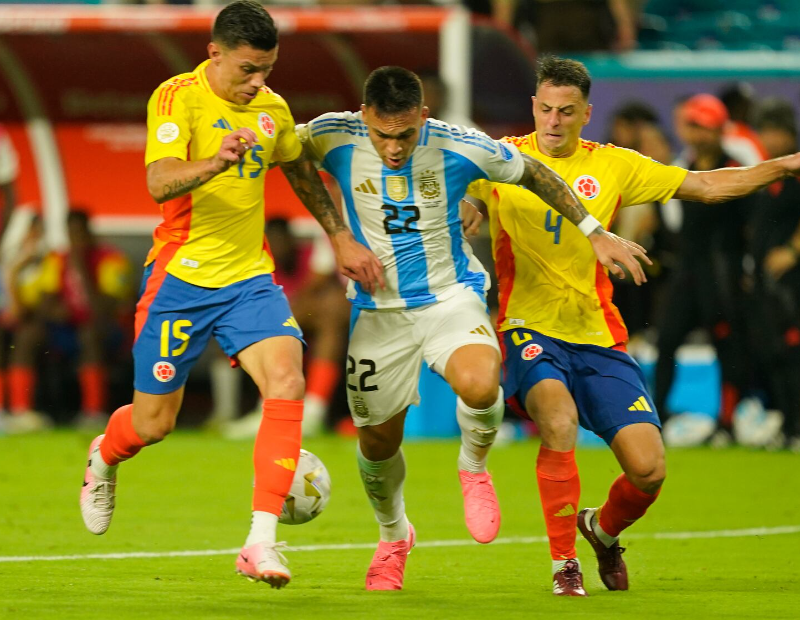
(355, 260)
(542, 181)
(609, 248)
(170, 177)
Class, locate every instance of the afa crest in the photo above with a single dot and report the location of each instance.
(429, 187)
(397, 188)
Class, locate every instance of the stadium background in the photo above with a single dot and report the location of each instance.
(74, 81)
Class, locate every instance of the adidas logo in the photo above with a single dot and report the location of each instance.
(223, 124)
(481, 330)
(640, 405)
(566, 511)
(286, 464)
(367, 187)
(291, 322)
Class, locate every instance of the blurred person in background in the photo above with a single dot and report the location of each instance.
(705, 288)
(635, 126)
(775, 301)
(84, 305)
(23, 251)
(565, 359)
(306, 269)
(585, 25)
(9, 169)
(740, 139)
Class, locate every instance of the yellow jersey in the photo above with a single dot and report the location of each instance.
(549, 279)
(214, 236)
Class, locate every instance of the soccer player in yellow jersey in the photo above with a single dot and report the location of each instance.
(565, 361)
(211, 135)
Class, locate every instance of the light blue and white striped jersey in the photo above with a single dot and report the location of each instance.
(410, 217)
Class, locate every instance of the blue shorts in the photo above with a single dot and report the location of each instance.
(608, 386)
(175, 319)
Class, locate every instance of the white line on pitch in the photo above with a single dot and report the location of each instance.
(516, 540)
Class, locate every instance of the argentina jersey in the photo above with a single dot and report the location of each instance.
(410, 217)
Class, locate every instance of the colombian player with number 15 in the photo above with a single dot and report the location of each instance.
(211, 135)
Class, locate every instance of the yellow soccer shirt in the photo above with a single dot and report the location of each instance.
(549, 279)
(214, 236)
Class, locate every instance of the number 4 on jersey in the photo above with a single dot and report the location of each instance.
(553, 228)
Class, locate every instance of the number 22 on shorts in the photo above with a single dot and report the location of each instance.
(178, 333)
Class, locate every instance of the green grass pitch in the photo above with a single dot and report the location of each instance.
(192, 493)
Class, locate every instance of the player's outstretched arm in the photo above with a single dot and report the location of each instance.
(715, 186)
(355, 260)
(171, 178)
(608, 247)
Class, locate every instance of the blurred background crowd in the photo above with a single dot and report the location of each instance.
(699, 83)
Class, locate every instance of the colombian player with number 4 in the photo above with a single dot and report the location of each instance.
(564, 341)
(402, 176)
(211, 134)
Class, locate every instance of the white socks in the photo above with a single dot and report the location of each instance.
(262, 528)
(559, 564)
(478, 430)
(100, 468)
(383, 482)
(604, 538)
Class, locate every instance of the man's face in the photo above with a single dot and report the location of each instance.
(241, 71)
(560, 112)
(777, 141)
(702, 139)
(394, 136)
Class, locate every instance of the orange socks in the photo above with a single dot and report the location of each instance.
(559, 490)
(121, 441)
(93, 388)
(625, 504)
(322, 377)
(276, 453)
(21, 383)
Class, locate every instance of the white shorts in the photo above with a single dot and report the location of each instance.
(386, 349)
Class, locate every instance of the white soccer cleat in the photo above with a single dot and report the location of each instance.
(97, 494)
(264, 562)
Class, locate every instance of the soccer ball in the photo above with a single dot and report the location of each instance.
(310, 492)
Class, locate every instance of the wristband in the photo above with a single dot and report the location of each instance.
(588, 225)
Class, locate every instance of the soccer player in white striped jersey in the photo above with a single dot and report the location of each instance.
(402, 176)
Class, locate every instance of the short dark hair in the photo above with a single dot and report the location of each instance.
(636, 112)
(392, 90)
(245, 22)
(563, 72)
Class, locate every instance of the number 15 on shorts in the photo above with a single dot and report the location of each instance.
(176, 330)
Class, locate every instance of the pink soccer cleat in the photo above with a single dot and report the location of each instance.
(97, 494)
(389, 563)
(481, 511)
(264, 562)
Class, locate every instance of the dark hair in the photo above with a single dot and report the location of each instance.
(776, 113)
(563, 72)
(392, 90)
(79, 216)
(245, 22)
(739, 98)
(636, 112)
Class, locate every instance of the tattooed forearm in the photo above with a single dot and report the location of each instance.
(306, 183)
(179, 187)
(551, 188)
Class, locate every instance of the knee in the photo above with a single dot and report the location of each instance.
(558, 428)
(155, 428)
(478, 390)
(648, 477)
(286, 383)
